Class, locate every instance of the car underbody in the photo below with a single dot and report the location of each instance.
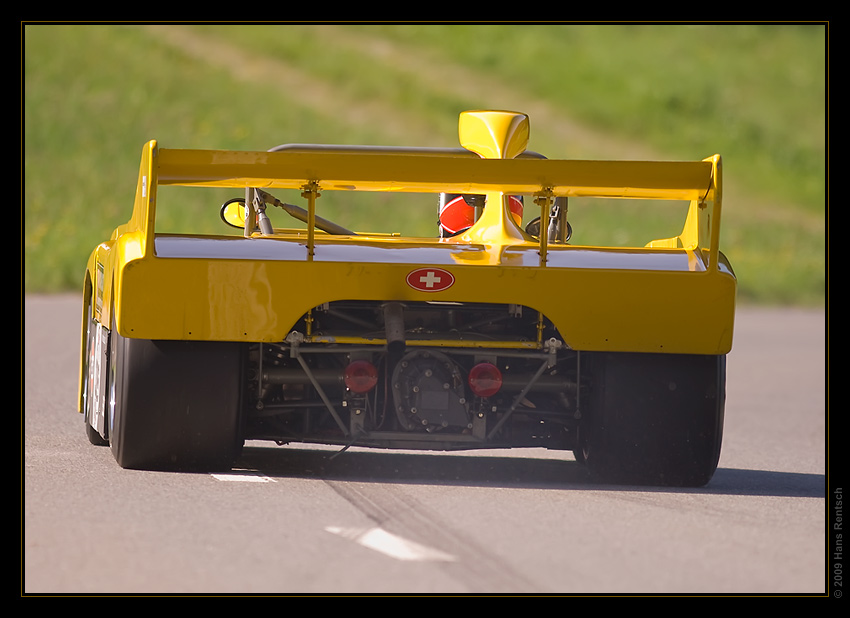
(415, 375)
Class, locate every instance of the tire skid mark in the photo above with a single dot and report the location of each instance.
(397, 513)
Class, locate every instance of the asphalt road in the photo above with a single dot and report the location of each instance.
(290, 520)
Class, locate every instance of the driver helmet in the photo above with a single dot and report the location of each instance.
(457, 215)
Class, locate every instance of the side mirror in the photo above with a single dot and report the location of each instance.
(233, 212)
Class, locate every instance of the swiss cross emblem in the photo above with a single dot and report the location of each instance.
(430, 279)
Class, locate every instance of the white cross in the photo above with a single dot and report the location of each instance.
(430, 279)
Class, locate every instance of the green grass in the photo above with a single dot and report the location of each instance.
(755, 94)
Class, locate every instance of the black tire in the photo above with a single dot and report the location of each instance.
(175, 405)
(88, 378)
(654, 419)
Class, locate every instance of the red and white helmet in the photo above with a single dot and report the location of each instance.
(457, 215)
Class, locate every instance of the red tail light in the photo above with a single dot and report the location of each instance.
(485, 380)
(361, 376)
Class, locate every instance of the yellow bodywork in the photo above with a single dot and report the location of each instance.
(675, 295)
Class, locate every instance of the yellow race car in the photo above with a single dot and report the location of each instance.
(496, 332)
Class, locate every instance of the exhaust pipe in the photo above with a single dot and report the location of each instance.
(394, 327)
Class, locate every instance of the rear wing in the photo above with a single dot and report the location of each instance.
(316, 169)
(386, 170)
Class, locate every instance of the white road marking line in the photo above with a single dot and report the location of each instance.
(244, 477)
(391, 545)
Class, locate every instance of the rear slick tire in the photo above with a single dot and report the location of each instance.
(174, 405)
(655, 419)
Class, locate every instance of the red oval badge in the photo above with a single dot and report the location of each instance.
(430, 279)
